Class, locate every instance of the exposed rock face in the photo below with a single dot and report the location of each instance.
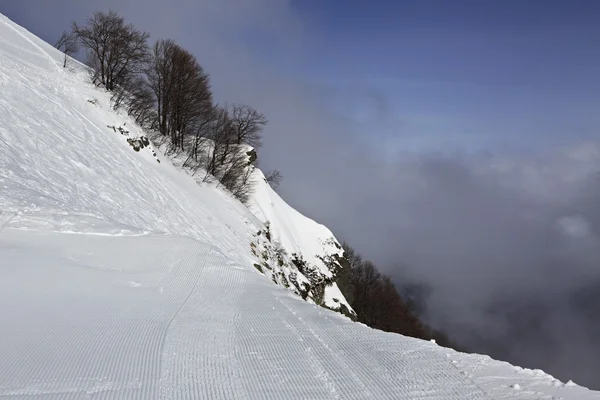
(307, 280)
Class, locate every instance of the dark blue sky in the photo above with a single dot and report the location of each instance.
(484, 73)
(483, 42)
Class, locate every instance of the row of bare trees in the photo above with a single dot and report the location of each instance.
(378, 303)
(166, 90)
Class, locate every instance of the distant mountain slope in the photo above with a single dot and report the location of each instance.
(124, 277)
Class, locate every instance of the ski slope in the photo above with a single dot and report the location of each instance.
(123, 278)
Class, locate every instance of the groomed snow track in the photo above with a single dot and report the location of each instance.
(153, 316)
(141, 317)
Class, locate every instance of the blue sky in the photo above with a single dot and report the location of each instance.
(517, 74)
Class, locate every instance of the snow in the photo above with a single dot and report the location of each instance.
(333, 297)
(122, 277)
(297, 233)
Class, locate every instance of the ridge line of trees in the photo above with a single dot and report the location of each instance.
(166, 90)
(378, 303)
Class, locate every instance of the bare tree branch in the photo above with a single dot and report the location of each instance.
(116, 50)
(68, 44)
(247, 124)
(182, 90)
(274, 179)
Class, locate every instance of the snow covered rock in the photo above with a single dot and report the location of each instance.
(296, 251)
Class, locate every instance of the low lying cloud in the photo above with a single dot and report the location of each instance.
(508, 247)
(507, 244)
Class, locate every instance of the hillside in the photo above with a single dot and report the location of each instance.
(122, 276)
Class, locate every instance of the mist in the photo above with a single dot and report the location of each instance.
(506, 243)
(508, 250)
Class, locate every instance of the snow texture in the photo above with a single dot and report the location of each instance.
(123, 278)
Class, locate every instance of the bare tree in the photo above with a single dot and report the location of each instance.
(226, 162)
(136, 97)
(236, 173)
(159, 78)
(190, 96)
(220, 137)
(116, 50)
(351, 255)
(198, 143)
(274, 179)
(247, 124)
(182, 90)
(68, 44)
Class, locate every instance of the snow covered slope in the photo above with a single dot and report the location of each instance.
(296, 245)
(123, 278)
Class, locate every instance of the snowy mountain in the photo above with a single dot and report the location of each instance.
(122, 276)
